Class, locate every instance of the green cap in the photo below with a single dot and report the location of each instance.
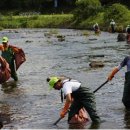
(52, 81)
(5, 39)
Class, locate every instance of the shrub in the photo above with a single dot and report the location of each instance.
(86, 8)
(117, 12)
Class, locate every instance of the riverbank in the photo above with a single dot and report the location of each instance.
(36, 21)
(55, 21)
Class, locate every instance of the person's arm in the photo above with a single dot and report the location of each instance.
(15, 49)
(117, 68)
(112, 73)
(66, 105)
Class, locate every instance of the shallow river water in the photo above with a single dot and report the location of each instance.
(29, 104)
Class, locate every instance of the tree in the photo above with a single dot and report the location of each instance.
(86, 8)
(117, 12)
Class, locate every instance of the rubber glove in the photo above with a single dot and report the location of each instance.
(65, 109)
(111, 75)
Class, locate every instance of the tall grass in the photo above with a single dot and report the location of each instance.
(37, 21)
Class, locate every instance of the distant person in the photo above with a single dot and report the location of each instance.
(128, 34)
(96, 28)
(112, 25)
(126, 93)
(13, 55)
(77, 97)
(128, 29)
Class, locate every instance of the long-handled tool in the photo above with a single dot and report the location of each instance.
(100, 86)
(93, 92)
(57, 121)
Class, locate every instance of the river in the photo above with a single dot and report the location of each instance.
(29, 104)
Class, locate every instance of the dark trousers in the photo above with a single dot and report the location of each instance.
(13, 71)
(113, 28)
(84, 98)
(126, 93)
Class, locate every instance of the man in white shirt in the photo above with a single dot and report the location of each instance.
(112, 24)
(76, 97)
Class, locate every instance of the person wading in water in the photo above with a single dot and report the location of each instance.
(112, 25)
(96, 28)
(13, 55)
(82, 97)
(126, 93)
(128, 34)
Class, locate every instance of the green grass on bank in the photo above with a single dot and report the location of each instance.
(36, 21)
(59, 21)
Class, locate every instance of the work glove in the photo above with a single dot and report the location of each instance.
(65, 109)
(113, 72)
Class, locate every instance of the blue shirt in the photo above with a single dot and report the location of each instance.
(125, 62)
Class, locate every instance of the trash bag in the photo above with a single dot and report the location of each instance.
(5, 72)
(81, 117)
(19, 57)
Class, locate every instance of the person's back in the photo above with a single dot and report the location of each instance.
(112, 24)
(81, 95)
(77, 97)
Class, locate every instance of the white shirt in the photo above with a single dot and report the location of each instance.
(112, 23)
(70, 86)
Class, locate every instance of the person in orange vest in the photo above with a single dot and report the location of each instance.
(82, 97)
(8, 53)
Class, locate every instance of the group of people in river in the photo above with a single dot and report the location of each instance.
(112, 29)
(78, 99)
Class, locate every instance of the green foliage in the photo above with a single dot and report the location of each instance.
(49, 21)
(38, 21)
(88, 23)
(86, 8)
(118, 12)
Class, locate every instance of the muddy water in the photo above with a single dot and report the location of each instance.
(29, 103)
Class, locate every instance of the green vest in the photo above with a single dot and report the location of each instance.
(8, 55)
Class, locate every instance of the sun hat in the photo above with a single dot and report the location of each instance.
(5, 39)
(53, 81)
